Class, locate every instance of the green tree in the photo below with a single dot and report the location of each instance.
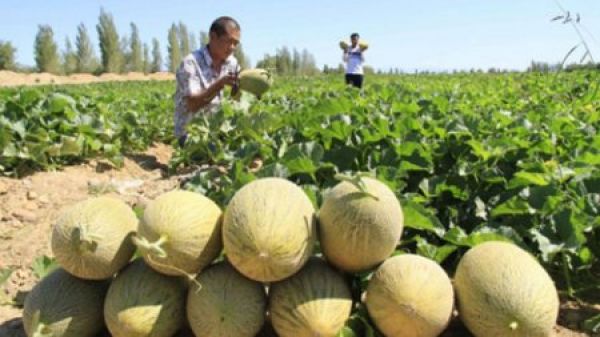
(7, 56)
(296, 61)
(308, 64)
(69, 58)
(243, 60)
(193, 42)
(146, 62)
(86, 60)
(110, 48)
(184, 39)
(174, 49)
(203, 38)
(283, 60)
(157, 61)
(46, 51)
(136, 62)
(267, 62)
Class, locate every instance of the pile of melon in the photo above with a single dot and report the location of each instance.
(272, 258)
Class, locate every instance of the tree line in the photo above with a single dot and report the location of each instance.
(127, 53)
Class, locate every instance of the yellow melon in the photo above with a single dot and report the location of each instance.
(410, 296)
(503, 291)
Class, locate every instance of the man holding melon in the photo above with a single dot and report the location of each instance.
(354, 59)
(204, 73)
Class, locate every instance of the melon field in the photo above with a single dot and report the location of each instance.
(318, 210)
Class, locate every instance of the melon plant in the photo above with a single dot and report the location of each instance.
(503, 291)
(62, 305)
(410, 296)
(314, 302)
(269, 229)
(223, 302)
(361, 223)
(91, 239)
(144, 303)
(180, 233)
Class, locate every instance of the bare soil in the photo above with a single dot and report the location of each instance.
(11, 79)
(30, 205)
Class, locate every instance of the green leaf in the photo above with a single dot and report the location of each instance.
(480, 237)
(58, 102)
(513, 206)
(478, 149)
(545, 246)
(590, 158)
(570, 226)
(418, 217)
(523, 178)
(438, 254)
(338, 130)
(457, 236)
(19, 128)
(303, 158)
(592, 325)
(346, 332)
(5, 275)
(70, 146)
(42, 266)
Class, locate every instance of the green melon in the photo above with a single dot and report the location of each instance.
(503, 291)
(359, 230)
(223, 302)
(62, 305)
(269, 229)
(144, 303)
(410, 296)
(91, 239)
(256, 81)
(314, 302)
(180, 233)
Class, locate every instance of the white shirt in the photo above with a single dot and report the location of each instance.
(195, 74)
(354, 60)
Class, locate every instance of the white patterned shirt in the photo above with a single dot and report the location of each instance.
(195, 74)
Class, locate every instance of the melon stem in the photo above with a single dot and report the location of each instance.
(83, 240)
(357, 182)
(154, 248)
(39, 331)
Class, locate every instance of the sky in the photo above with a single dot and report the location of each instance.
(435, 35)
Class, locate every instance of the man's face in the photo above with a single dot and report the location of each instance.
(223, 46)
(354, 40)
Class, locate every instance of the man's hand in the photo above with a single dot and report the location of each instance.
(229, 79)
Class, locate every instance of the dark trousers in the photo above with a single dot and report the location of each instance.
(354, 79)
(181, 140)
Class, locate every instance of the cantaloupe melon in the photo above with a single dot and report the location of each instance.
(503, 291)
(92, 238)
(180, 233)
(269, 229)
(410, 296)
(142, 302)
(314, 302)
(223, 302)
(256, 81)
(62, 305)
(359, 229)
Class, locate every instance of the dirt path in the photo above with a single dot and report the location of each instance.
(29, 206)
